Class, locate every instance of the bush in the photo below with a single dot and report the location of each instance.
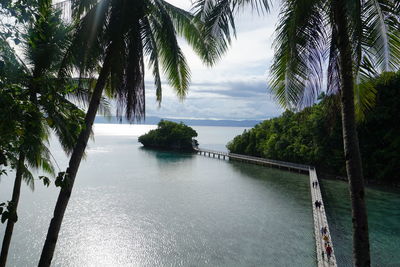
(170, 135)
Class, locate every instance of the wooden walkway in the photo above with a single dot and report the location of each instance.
(320, 221)
(319, 214)
(254, 160)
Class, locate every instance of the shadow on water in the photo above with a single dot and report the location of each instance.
(383, 219)
(167, 156)
(263, 172)
(285, 182)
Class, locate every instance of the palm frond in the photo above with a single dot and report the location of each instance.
(260, 6)
(218, 21)
(12, 68)
(364, 96)
(81, 7)
(46, 40)
(296, 71)
(28, 177)
(151, 50)
(191, 28)
(87, 45)
(376, 47)
(79, 92)
(377, 33)
(173, 61)
(65, 119)
(132, 95)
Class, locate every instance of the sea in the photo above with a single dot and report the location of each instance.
(138, 207)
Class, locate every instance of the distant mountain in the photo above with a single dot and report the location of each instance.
(191, 122)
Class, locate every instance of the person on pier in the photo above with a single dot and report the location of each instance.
(324, 230)
(328, 250)
(318, 204)
(326, 239)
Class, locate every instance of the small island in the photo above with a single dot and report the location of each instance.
(170, 135)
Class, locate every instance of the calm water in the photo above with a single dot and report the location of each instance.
(138, 207)
(384, 223)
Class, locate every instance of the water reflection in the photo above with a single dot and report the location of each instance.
(132, 207)
(167, 156)
(291, 184)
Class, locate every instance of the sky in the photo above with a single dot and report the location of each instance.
(236, 87)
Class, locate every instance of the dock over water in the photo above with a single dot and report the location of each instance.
(322, 238)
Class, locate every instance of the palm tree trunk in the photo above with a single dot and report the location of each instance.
(75, 160)
(361, 252)
(14, 201)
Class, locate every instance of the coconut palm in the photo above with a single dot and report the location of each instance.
(218, 21)
(37, 104)
(358, 39)
(119, 34)
(24, 134)
(31, 152)
(10, 117)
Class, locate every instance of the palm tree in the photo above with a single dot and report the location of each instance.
(358, 39)
(31, 150)
(39, 104)
(361, 39)
(119, 34)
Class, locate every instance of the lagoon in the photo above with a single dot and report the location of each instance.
(137, 207)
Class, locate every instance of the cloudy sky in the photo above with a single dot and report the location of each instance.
(236, 88)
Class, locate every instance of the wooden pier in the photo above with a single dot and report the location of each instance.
(254, 160)
(319, 215)
(320, 221)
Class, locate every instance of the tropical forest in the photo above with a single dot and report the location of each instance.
(314, 136)
(294, 104)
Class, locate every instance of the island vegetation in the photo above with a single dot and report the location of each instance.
(112, 39)
(314, 135)
(170, 135)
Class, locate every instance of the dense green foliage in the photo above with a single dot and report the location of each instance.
(169, 135)
(31, 94)
(33, 100)
(314, 135)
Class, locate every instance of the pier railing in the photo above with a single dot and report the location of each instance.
(320, 222)
(254, 160)
(321, 228)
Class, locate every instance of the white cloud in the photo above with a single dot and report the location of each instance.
(236, 88)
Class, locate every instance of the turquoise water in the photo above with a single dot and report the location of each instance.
(138, 207)
(383, 217)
